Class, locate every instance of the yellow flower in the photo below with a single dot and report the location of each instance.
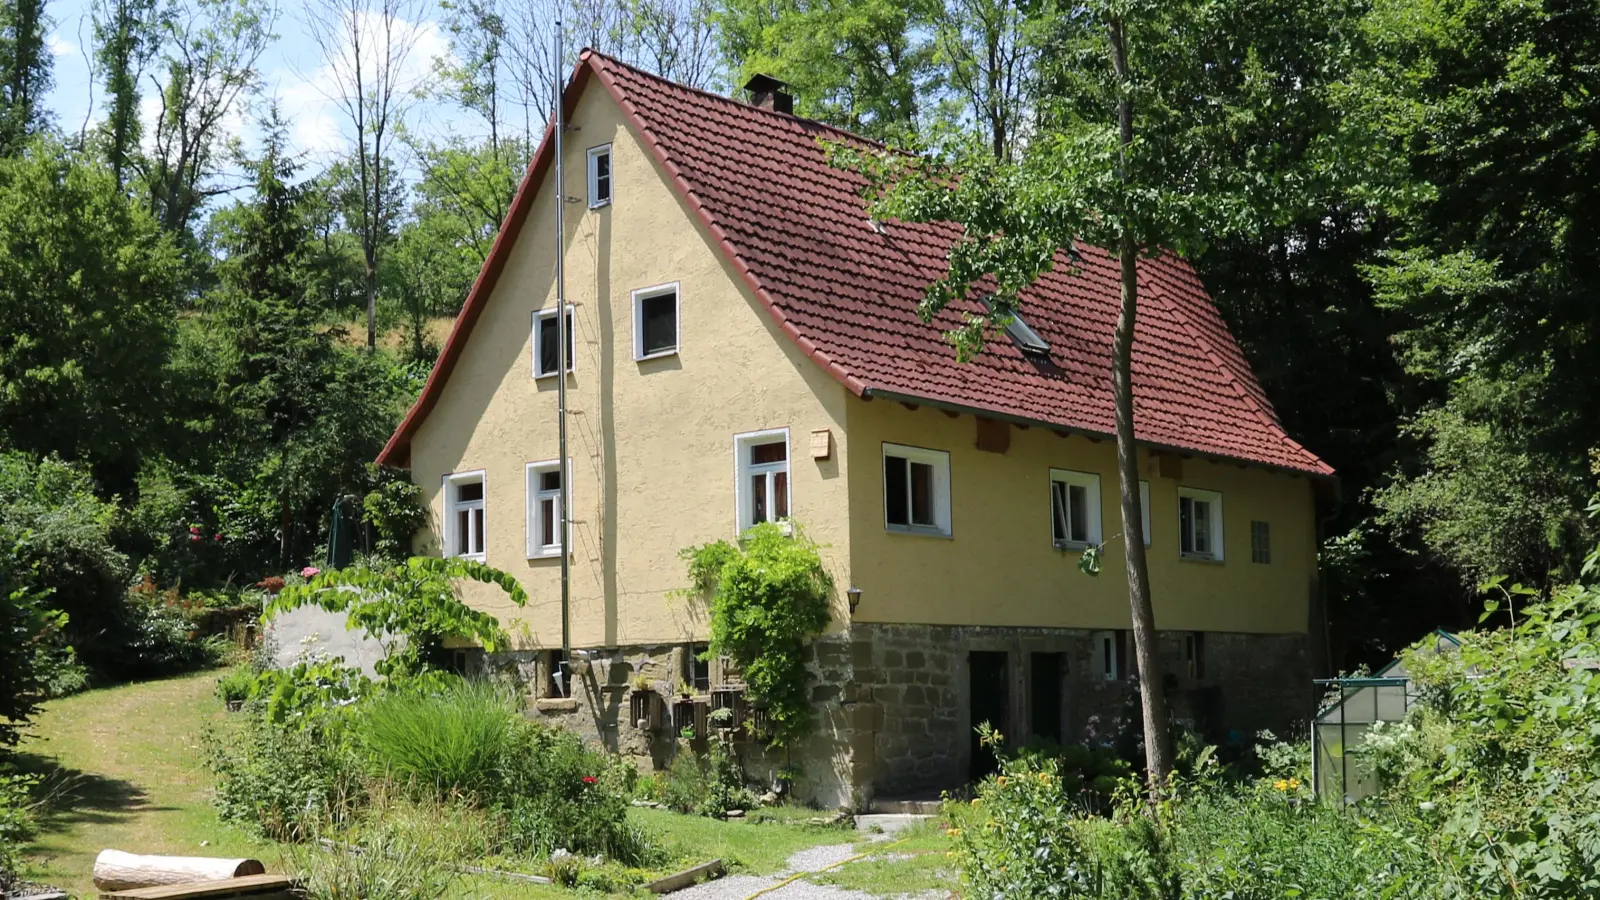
(952, 832)
(1294, 783)
(951, 854)
(1001, 781)
(1281, 785)
(974, 801)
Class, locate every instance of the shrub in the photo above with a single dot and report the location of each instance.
(57, 529)
(1498, 763)
(440, 742)
(236, 685)
(284, 783)
(1026, 835)
(158, 640)
(17, 824)
(708, 785)
(557, 794)
(29, 642)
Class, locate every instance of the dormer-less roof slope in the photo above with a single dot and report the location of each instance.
(796, 230)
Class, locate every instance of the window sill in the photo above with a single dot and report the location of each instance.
(784, 525)
(601, 205)
(475, 557)
(546, 554)
(1073, 546)
(918, 531)
(545, 375)
(659, 354)
(1200, 558)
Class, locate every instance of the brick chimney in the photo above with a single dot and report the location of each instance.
(770, 93)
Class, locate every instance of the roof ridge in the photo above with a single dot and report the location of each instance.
(742, 106)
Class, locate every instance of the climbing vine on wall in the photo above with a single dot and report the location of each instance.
(767, 595)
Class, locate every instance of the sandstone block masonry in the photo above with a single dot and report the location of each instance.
(896, 705)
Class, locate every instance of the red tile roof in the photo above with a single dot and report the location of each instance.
(796, 231)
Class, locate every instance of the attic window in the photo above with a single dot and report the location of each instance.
(599, 176)
(1022, 334)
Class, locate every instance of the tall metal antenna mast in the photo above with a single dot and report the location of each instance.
(561, 357)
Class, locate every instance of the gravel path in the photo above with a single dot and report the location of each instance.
(738, 887)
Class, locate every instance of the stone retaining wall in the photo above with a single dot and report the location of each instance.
(894, 705)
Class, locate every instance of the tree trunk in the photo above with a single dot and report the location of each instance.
(1157, 744)
(115, 870)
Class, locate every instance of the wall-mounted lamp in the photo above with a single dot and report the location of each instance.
(853, 594)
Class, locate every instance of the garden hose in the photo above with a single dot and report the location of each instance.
(799, 875)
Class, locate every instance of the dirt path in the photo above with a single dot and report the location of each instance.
(125, 769)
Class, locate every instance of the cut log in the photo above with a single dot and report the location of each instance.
(118, 871)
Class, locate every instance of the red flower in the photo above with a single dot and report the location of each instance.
(589, 779)
(193, 538)
(217, 538)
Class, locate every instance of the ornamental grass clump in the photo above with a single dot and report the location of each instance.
(440, 742)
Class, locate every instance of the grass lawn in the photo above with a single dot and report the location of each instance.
(911, 862)
(125, 771)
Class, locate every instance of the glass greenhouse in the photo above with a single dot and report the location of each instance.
(1342, 725)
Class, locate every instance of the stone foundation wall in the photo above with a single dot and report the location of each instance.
(894, 705)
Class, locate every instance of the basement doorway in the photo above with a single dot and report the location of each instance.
(990, 701)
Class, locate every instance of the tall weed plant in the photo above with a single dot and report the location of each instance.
(384, 866)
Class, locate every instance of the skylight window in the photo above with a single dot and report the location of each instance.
(1022, 334)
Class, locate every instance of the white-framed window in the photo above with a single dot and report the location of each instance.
(464, 527)
(761, 460)
(1260, 542)
(547, 342)
(1107, 655)
(599, 176)
(1074, 509)
(655, 321)
(916, 490)
(1199, 524)
(544, 508)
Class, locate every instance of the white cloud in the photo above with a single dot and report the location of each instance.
(59, 46)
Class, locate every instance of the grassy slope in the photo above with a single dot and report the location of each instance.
(126, 768)
(125, 771)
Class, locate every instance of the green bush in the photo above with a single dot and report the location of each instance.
(558, 794)
(285, 783)
(17, 825)
(439, 742)
(159, 640)
(1499, 765)
(237, 684)
(60, 531)
(1026, 835)
(706, 785)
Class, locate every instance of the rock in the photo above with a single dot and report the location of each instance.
(769, 798)
(647, 804)
(735, 814)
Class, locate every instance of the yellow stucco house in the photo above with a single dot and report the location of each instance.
(745, 347)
